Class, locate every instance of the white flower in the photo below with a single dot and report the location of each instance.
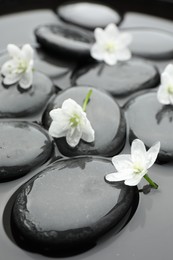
(20, 66)
(111, 45)
(132, 168)
(165, 91)
(71, 121)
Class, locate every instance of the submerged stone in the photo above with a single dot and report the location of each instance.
(63, 39)
(121, 79)
(23, 146)
(105, 116)
(151, 122)
(88, 15)
(152, 43)
(69, 206)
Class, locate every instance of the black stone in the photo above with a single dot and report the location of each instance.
(105, 116)
(64, 40)
(88, 15)
(152, 43)
(121, 79)
(151, 122)
(57, 69)
(69, 206)
(23, 146)
(16, 102)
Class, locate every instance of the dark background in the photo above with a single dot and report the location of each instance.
(151, 7)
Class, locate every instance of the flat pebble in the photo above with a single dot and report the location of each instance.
(23, 146)
(69, 206)
(122, 79)
(152, 43)
(88, 15)
(151, 122)
(64, 40)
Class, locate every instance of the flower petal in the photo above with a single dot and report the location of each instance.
(26, 79)
(97, 52)
(163, 95)
(152, 154)
(124, 39)
(118, 176)
(13, 51)
(88, 133)
(138, 152)
(70, 106)
(111, 31)
(171, 99)
(12, 79)
(169, 69)
(124, 54)
(58, 129)
(8, 67)
(58, 115)
(27, 52)
(73, 136)
(110, 58)
(133, 181)
(99, 34)
(166, 79)
(123, 163)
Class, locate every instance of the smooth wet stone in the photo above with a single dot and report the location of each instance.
(88, 15)
(16, 102)
(151, 122)
(23, 146)
(59, 74)
(152, 43)
(69, 206)
(106, 118)
(64, 39)
(138, 20)
(121, 79)
(23, 22)
(58, 70)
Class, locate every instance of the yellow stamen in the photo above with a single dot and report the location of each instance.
(74, 120)
(110, 46)
(137, 168)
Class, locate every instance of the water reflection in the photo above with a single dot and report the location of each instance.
(165, 112)
(73, 163)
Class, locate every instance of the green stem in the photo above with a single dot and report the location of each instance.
(153, 184)
(85, 103)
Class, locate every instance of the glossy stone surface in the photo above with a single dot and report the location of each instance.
(152, 43)
(68, 206)
(138, 20)
(16, 102)
(64, 40)
(121, 79)
(24, 24)
(23, 146)
(151, 122)
(88, 15)
(106, 119)
(149, 234)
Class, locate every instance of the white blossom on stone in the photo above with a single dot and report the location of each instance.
(131, 168)
(165, 91)
(20, 66)
(111, 45)
(71, 122)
